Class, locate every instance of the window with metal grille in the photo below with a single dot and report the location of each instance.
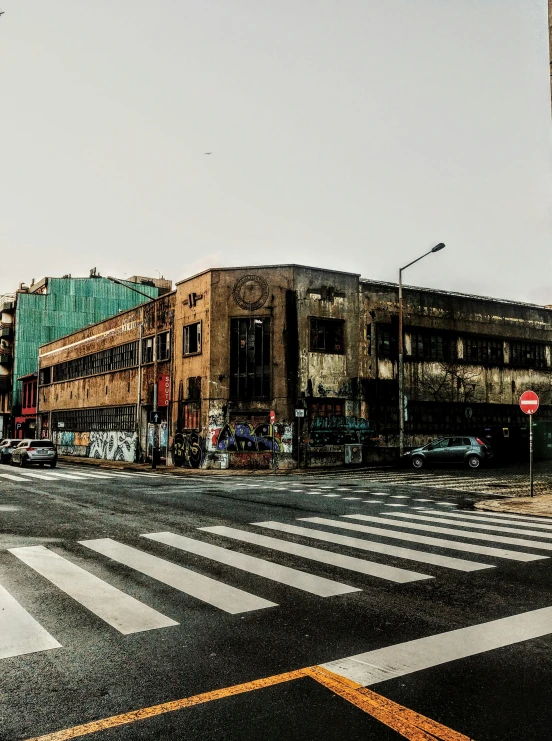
(105, 361)
(484, 350)
(431, 346)
(163, 346)
(250, 358)
(98, 418)
(326, 335)
(326, 408)
(528, 354)
(191, 344)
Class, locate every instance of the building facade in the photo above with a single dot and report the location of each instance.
(7, 308)
(52, 308)
(284, 366)
(98, 387)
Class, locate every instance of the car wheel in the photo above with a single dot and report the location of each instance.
(22, 462)
(474, 461)
(417, 461)
(53, 464)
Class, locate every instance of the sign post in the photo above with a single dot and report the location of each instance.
(529, 403)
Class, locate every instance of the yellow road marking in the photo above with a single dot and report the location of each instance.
(409, 724)
(167, 707)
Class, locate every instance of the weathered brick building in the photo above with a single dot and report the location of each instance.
(286, 365)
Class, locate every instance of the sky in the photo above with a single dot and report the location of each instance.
(345, 134)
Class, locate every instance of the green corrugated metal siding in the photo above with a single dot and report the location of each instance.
(69, 305)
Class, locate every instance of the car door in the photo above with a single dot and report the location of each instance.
(436, 452)
(457, 449)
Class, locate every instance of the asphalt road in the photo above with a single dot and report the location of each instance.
(74, 649)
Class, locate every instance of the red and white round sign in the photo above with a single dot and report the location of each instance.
(272, 417)
(529, 402)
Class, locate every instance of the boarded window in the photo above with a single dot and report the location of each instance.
(326, 335)
(250, 358)
(190, 414)
(192, 339)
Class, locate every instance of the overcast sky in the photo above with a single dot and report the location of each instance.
(348, 134)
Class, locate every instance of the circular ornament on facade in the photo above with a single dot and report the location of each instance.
(251, 292)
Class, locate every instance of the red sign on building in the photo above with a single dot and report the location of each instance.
(163, 390)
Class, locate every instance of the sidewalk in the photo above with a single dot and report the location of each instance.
(540, 505)
(175, 471)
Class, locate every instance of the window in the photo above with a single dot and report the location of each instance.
(105, 361)
(192, 339)
(45, 376)
(387, 341)
(528, 354)
(194, 387)
(484, 350)
(163, 346)
(431, 346)
(326, 335)
(147, 350)
(326, 408)
(250, 363)
(98, 418)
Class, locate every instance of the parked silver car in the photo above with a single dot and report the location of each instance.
(34, 451)
(466, 449)
(6, 448)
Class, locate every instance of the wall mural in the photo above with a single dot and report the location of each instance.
(188, 449)
(244, 437)
(340, 430)
(111, 446)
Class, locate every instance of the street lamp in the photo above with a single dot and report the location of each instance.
(437, 247)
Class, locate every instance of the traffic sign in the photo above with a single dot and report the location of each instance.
(529, 402)
(272, 416)
(155, 418)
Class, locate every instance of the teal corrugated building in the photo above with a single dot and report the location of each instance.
(54, 307)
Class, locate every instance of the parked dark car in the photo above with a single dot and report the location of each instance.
(34, 451)
(466, 449)
(6, 448)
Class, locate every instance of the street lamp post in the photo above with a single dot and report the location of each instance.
(437, 247)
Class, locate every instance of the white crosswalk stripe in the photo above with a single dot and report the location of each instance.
(476, 518)
(451, 545)
(390, 550)
(469, 534)
(11, 477)
(283, 574)
(475, 525)
(316, 554)
(120, 610)
(204, 588)
(19, 632)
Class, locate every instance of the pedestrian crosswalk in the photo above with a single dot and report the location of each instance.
(330, 557)
(67, 475)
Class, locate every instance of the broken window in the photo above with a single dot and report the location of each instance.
(326, 335)
(192, 339)
(163, 346)
(147, 350)
(387, 341)
(250, 358)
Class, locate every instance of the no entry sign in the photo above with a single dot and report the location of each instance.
(529, 402)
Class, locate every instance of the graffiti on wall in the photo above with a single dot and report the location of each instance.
(188, 449)
(340, 430)
(244, 437)
(111, 446)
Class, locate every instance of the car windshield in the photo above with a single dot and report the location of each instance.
(41, 444)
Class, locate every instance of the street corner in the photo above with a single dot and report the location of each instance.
(304, 704)
(537, 506)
